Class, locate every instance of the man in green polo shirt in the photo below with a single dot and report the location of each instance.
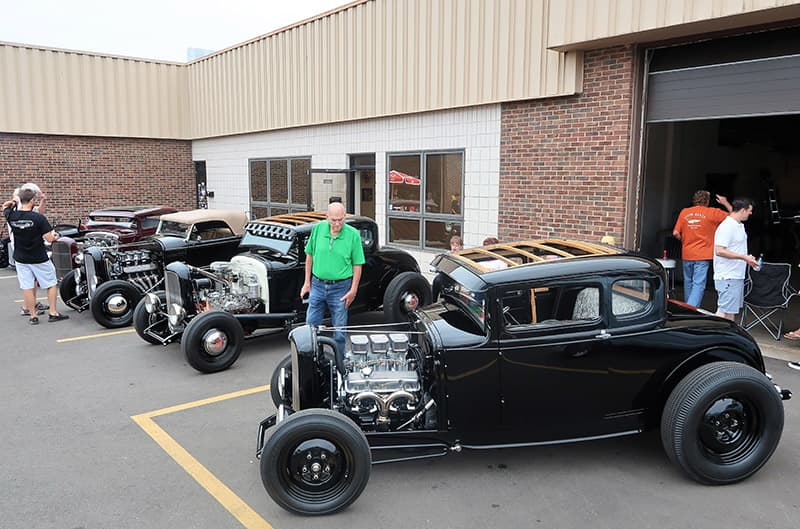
(334, 257)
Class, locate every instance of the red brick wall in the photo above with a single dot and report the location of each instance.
(564, 161)
(79, 174)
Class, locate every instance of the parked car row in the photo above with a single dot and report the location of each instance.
(516, 344)
(209, 278)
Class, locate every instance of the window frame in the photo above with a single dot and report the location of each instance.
(290, 205)
(624, 319)
(557, 327)
(421, 215)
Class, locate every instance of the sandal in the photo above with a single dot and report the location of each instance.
(792, 335)
(27, 313)
(57, 317)
(34, 321)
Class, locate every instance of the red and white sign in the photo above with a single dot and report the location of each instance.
(396, 177)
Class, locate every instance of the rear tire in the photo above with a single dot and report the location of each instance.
(722, 423)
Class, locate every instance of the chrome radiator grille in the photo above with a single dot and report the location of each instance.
(173, 291)
(62, 258)
(91, 276)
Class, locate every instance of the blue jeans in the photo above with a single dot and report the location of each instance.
(329, 295)
(694, 281)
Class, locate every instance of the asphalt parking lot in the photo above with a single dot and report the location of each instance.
(101, 430)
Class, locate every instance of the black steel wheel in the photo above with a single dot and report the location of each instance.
(113, 303)
(315, 462)
(68, 290)
(212, 341)
(143, 319)
(722, 422)
(405, 293)
(275, 382)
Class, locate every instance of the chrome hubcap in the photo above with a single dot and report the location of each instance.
(410, 301)
(215, 341)
(117, 304)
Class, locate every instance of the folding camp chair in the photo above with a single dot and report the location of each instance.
(766, 292)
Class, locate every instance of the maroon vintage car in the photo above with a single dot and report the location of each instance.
(106, 227)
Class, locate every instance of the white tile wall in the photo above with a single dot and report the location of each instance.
(476, 130)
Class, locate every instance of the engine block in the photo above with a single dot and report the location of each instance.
(382, 384)
(235, 290)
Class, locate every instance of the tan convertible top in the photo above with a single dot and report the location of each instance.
(234, 219)
(508, 255)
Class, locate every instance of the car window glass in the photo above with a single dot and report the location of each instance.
(540, 307)
(149, 222)
(215, 229)
(176, 229)
(367, 240)
(631, 297)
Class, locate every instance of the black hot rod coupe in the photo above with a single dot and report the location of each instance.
(528, 343)
(211, 309)
(111, 276)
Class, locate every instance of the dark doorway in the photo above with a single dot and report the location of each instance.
(362, 183)
(201, 185)
(756, 157)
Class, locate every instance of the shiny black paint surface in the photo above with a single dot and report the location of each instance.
(591, 379)
(286, 273)
(496, 384)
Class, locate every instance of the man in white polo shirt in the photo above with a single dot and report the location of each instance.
(731, 259)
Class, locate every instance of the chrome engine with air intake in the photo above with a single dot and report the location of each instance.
(382, 385)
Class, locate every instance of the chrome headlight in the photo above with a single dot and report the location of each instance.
(78, 258)
(177, 314)
(152, 303)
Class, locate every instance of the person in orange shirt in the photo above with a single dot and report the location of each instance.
(695, 229)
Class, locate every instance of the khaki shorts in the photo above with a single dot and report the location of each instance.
(731, 295)
(43, 273)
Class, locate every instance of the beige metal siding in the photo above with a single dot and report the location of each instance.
(369, 59)
(380, 58)
(45, 90)
(584, 24)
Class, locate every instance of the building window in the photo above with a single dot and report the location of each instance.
(424, 202)
(279, 186)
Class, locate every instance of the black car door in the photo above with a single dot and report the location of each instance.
(563, 375)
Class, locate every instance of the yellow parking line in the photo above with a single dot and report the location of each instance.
(225, 496)
(99, 335)
(210, 400)
(37, 299)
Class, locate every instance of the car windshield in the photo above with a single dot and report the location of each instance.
(175, 229)
(258, 242)
(473, 302)
(106, 220)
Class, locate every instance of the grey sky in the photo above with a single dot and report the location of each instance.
(153, 29)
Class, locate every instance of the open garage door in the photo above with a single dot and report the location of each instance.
(722, 115)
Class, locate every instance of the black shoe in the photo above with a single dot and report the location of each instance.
(41, 306)
(34, 321)
(57, 317)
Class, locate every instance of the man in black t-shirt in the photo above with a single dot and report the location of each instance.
(33, 265)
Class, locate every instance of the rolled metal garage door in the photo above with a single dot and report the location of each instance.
(757, 87)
